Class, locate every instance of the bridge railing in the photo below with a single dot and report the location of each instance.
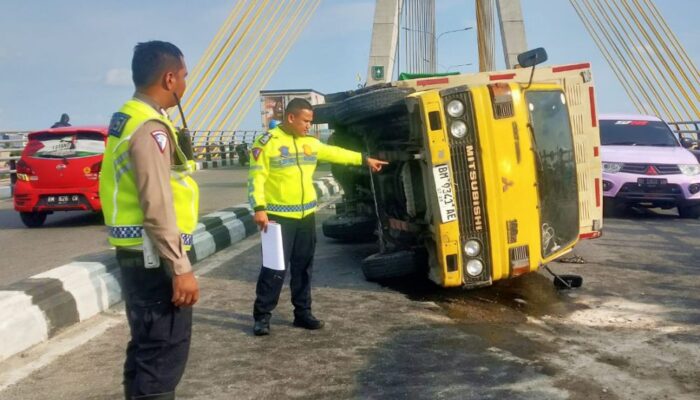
(207, 145)
(689, 129)
(220, 145)
(11, 145)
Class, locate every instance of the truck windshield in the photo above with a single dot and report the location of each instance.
(636, 133)
(556, 169)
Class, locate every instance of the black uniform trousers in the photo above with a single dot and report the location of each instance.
(299, 243)
(160, 332)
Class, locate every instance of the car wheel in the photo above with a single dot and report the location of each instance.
(382, 266)
(350, 229)
(33, 219)
(689, 211)
(372, 104)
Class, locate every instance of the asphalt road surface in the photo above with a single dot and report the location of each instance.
(631, 331)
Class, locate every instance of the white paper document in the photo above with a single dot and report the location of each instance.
(272, 249)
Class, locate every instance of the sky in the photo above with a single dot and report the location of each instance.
(74, 56)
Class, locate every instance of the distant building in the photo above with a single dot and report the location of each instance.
(273, 102)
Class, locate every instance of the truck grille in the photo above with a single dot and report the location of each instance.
(642, 168)
(469, 186)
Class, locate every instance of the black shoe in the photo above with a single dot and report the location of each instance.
(308, 322)
(262, 327)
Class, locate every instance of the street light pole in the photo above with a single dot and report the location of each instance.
(437, 40)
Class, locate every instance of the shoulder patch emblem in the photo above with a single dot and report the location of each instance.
(265, 138)
(116, 125)
(161, 139)
(256, 151)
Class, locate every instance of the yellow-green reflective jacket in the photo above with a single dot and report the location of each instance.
(118, 192)
(280, 180)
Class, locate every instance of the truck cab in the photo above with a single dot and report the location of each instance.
(488, 178)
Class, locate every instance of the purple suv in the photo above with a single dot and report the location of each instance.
(645, 165)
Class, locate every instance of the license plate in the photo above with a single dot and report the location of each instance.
(445, 196)
(63, 200)
(651, 181)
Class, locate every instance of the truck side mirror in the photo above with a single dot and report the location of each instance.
(532, 57)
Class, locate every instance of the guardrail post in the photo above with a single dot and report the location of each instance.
(13, 176)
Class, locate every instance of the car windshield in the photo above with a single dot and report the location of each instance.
(624, 132)
(556, 169)
(70, 145)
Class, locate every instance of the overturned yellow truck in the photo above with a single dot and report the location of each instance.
(491, 176)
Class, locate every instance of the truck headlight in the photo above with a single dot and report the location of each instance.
(455, 108)
(612, 167)
(689, 169)
(458, 129)
(472, 248)
(475, 267)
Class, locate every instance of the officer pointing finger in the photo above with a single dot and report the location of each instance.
(280, 184)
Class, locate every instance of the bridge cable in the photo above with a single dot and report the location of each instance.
(616, 51)
(663, 61)
(195, 91)
(624, 41)
(638, 43)
(195, 74)
(606, 54)
(223, 66)
(662, 41)
(244, 81)
(673, 39)
(254, 50)
(280, 53)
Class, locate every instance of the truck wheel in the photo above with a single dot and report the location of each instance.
(689, 211)
(33, 219)
(378, 266)
(372, 104)
(351, 229)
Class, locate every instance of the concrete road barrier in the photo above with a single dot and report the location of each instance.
(35, 309)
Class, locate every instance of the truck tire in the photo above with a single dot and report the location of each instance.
(372, 104)
(379, 267)
(325, 113)
(349, 229)
(33, 219)
(689, 211)
(340, 96)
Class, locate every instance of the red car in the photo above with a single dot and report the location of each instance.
(59, 171)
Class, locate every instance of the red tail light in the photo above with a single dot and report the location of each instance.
(25, 172)
(24, 168)
(96, 167)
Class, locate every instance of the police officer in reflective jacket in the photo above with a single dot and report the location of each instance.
(280, 189)
(150, 204)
